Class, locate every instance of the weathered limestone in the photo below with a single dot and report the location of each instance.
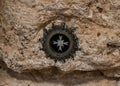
(98, 31)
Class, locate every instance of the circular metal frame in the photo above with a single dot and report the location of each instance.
(67, 32)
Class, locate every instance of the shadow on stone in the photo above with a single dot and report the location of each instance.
(55, 75)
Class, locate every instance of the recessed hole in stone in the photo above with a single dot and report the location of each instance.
(100, 9)
(98, 34)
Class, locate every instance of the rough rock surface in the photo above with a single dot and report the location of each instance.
(98, 22)
(54, 77)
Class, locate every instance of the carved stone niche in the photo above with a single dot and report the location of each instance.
(94, 44)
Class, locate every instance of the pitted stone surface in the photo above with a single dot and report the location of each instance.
(22, 24)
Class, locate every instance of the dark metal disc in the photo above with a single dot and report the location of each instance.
(60, 42)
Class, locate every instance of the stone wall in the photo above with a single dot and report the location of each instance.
(98, 31)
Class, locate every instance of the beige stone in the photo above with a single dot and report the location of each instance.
(22, 22)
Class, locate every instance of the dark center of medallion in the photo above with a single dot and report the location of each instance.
(59, 43)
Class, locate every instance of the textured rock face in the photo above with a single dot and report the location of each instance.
(98, 32)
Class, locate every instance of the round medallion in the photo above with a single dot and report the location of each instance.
(59, 42)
